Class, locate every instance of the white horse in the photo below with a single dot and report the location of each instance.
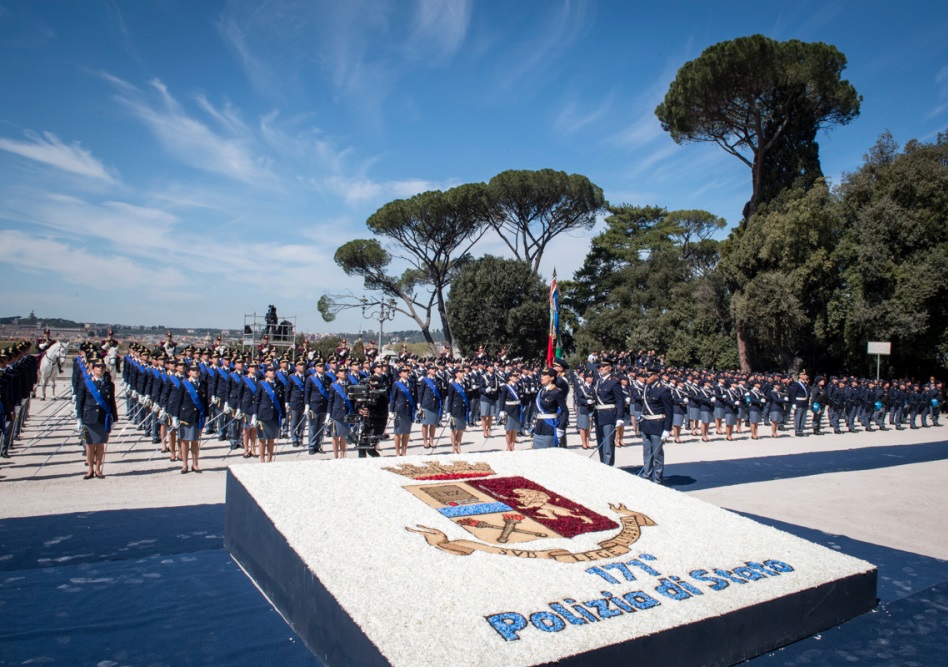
(50, 365)
(111, 360)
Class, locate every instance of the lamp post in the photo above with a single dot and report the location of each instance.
(382, 310)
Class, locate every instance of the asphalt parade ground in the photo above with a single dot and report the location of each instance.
(131, 569)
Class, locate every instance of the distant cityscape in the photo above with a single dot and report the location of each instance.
(31, 327)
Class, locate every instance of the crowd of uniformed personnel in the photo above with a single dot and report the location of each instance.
(178, 394)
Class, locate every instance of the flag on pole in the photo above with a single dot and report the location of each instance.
(553, 348)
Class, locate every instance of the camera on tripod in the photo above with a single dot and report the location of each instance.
(369, 398)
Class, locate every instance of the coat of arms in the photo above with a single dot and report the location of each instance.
(504, 513)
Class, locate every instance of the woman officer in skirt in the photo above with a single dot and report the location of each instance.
(268, 412)
(508, 402)
(403, 405)
(95, 403)
(188, 408)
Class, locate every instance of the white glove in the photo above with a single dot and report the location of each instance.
(238, 414)
(175, 422)
(156, 408)
(685, 401)
(665, 435)
(79, 425)
(135, 394)
(714, 399)
(328, 418)
(619, 423)
(560, 433)
(628, 401)
(214, 400)
(253, 421)
(501, 415)
(227, 409)
(162, 414)
(146, 401)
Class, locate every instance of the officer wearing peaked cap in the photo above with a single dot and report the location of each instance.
(610, 411)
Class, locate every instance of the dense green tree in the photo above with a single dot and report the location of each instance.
(530, 208)
(762, 101)
(432, 233)
(781, 273)
(893, 257)
(648, 282)
(498, 302)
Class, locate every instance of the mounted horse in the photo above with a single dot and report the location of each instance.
(51, 366)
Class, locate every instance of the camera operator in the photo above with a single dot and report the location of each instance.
(375, 414)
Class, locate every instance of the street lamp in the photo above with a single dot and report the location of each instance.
(382, 310)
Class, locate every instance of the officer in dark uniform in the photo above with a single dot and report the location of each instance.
(188, 409)
(799, 394)
(296, 402)
(403, 403)
(552, 414)
(610, 411)
(458, 406)
(95, 405)
(268, 415)
(657, 418)
(561, 367)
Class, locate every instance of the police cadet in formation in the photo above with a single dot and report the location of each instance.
(430, 398)
(245, 410)
(818, 398)
(295, 388)
(488, 386)
(680, 402)
(511, 410)
(403, 405)
(317, 398)
(339, 407)
(799, 394)
(282, 376)
(95, 406)
(585, 407)
(188, 409)
(18, 370)
(756, 400)
(552, 415)
(268, 412)
(657, 419)
(563, 383)
(610, 411)
(457, 406)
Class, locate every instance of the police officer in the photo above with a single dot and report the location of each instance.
(403, 404)
(457, 405)
(317, 399)
(610, 411)
(95, 405)
(295, 388)
(188, 409)
(799, 394)
(268, 415)
(552, 412)
(657, 418)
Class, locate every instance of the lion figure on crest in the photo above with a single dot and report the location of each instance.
(539, 501)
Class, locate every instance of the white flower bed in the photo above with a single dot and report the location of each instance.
(421, 605)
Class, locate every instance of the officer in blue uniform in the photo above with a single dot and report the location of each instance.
(403, 403)
(799, 394)
(552, 414)
(657, 419)
(610, 411)
(295, 388)
(317, 399)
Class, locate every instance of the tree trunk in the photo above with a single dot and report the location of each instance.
(743, 347)
(445, 326)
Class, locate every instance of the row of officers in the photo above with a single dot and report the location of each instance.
(18, 370)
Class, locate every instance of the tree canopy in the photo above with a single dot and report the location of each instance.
(762, 101)
(498, 302)
(530, 208)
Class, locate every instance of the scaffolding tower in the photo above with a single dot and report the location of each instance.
(282, 335)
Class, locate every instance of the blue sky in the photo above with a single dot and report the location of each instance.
(184, 163)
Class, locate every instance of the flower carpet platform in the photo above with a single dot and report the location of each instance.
(524, 558)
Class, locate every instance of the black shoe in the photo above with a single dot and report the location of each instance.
(235, 446)
(312, 451)
(297, 444)
(156, 441)
(837, 432)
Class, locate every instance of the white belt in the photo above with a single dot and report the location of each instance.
(547, 416)
(513, 402)
(606, 407)
(652, 417)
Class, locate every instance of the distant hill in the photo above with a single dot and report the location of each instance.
(32, 320)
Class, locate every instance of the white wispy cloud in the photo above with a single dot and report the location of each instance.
(438, 29)
(48, 149)
(574, 117)
(189, 139)
(551, 38)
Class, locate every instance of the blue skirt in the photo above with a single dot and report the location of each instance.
(340, 429)
(189, 432)
(705, 416)
(544, 441)
(96, 434)
(488, 408)
(583, 421)
(756, 415)
(402, 424)
(677, 419)
(430, 418)
(513, 424)
(268, 430)
(458, 423)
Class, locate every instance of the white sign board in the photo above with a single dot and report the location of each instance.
(879, 348)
